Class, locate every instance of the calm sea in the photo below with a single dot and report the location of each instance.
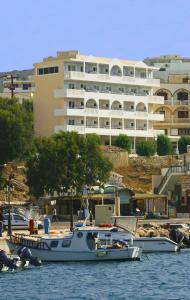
(156, 276)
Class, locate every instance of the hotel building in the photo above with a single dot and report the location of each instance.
(98, 95)
(174, 74)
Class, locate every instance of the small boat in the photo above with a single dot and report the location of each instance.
(75, 246)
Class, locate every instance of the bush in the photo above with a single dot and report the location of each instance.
(164, 145)
(146, 148)
(182, 144)
(123, 141)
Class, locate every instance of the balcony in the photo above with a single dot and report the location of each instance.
(106, 130)
(177, 120)
(81, 94)
(72, 75)
(81, 112)
(176, 102)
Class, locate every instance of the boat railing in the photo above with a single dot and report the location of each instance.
(25, 240)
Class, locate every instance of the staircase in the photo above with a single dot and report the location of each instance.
(170, 174)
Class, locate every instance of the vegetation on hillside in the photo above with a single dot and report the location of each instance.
(16, 130)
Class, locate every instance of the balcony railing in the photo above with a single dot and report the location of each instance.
(107, 95)
(173, 170)
(177, 120)
(106, 78)
(177, 102)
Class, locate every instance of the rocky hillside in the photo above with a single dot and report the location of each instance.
(138, 173)
(20, 193)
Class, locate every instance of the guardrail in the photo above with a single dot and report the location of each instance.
(173, 170)
(25, 240)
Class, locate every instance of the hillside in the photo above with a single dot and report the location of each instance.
(138, 173)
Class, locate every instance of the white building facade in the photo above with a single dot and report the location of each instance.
(105, 96)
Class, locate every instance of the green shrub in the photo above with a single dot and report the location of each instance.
(146, 148)
(123, 141)
(164, 145)
(182, 144)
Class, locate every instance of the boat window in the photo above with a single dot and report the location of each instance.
(54, 244)
(79, 234)
(90, 239)
(66, 243)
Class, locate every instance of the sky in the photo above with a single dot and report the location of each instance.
(132, 29)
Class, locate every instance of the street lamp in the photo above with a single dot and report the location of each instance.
(9, 189)
(72, 192)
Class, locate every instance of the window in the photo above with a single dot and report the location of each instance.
(184, 131)
(50, 70)
(54, 244)
(26, 86)
(19, 218)
(71, 68)
(163, 94)
(183, 114)
(162, 112)
(185, 80)
(5, 217)
(182, 96)
(79, 234)
(82, 122)
(67, 243)
(107, 123)
(71, 122)
(71, 86)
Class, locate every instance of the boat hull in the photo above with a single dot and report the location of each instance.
(130, 253)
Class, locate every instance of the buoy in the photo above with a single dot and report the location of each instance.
(106, 225)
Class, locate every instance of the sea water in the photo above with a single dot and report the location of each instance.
(156, 276)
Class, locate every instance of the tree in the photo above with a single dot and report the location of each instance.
(182, 144)
(123, 141)
(146, 148)
(65, 160)
(16, 130)
(164, 145)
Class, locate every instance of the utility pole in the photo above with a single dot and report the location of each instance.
(12, 86)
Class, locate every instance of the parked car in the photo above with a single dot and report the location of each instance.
(19, 221)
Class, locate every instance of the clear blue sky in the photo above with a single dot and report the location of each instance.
(133, 29)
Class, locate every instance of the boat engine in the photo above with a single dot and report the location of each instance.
(25, 255)
(178, 237)
(6, 261)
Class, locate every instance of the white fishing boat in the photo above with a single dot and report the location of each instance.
(79, 245)
(125, 229)
(148, 244)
